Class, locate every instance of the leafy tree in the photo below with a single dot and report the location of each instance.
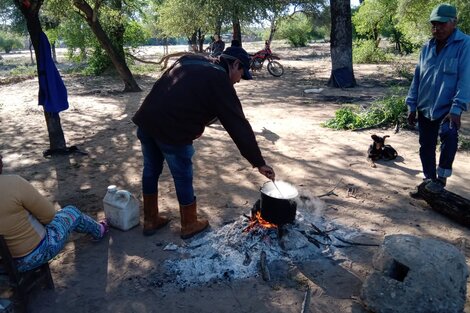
(10, 41)
(297, 30)
(413, 17)
(183, 18)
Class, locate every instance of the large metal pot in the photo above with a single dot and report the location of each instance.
(278, 205)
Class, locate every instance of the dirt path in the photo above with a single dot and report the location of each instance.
(118, 275)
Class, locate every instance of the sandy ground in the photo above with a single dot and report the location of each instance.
(113, 275)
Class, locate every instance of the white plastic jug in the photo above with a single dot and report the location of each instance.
(121, 208)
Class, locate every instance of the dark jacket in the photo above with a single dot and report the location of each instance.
(187, 97)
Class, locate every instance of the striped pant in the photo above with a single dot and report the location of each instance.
(58, 231)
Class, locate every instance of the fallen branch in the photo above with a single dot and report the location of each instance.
(264, 267)
(142, 60)
(357, 243)
(331, 192)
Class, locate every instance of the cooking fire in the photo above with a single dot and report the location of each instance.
(235, 250)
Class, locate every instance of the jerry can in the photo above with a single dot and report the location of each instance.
(121, 208)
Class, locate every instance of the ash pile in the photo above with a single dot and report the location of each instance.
(236, 250)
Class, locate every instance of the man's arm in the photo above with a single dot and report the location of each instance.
(462, 94)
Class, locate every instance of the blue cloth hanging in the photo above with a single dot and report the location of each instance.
(52, 91)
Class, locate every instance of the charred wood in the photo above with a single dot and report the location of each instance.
(453, 206)
(264, 267)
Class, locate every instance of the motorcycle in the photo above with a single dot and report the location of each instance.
(257, 60)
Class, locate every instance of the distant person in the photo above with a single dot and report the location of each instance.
(183, 101)
(438, 95)
(217, 46)
(34, 232)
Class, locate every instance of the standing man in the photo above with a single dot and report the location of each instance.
(193, 92)
(438, 95)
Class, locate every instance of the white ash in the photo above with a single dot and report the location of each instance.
(230, 253)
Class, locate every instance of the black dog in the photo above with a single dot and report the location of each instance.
(379, 150)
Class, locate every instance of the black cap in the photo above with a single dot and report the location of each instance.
(240, 54)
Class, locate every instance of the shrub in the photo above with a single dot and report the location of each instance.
(297, 30)
(365, 51)
(9, 41)
(387, 111)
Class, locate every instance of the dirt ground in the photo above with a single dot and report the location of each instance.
(112, 275)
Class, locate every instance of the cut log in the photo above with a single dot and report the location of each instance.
(449, 204)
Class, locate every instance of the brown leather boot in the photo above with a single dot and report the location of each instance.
(190, 225)
(152, 221)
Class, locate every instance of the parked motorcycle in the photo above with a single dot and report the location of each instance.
(257, 60)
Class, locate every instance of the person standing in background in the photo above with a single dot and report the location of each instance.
(439, 93)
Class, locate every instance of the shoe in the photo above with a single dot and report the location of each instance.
(415, 194)
(104, 229)
(190, 224)
(152, 220)
(436, 186)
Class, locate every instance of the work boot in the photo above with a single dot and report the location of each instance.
(152, 221)
(437, 185)
(190, 225)
(415, 194)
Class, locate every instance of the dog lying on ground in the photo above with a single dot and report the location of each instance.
(379, 150)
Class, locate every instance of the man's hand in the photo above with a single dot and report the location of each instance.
(454, 120)
(412, 119)
(267, 171)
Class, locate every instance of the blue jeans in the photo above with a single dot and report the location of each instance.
(429, 131)
(58, 231)
(179, 160)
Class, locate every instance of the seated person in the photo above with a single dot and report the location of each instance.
(34, 232)
(217, 46)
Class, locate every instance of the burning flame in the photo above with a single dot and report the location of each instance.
(257, 220)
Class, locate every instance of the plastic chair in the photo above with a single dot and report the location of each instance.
(23, 282)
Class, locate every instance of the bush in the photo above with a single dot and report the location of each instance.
(9, 42)
(387, 111)
(365, 51)
(98, 62)
(297, 30)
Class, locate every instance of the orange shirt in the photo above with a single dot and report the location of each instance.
(23, 214)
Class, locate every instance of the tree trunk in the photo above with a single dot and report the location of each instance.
(237, 34)
(218, 27)
(342, 74)
(116, 57)
(54, 53)
(272, 29)
(54, 127)
(200, 40)
(31, 50)
(449, 204)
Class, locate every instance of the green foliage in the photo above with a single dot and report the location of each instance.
(181, 18)
(387, 111)
(297, 30)
(365, 51)
(99, 61)
(464, 143)
(9, 41)
(135, 34)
